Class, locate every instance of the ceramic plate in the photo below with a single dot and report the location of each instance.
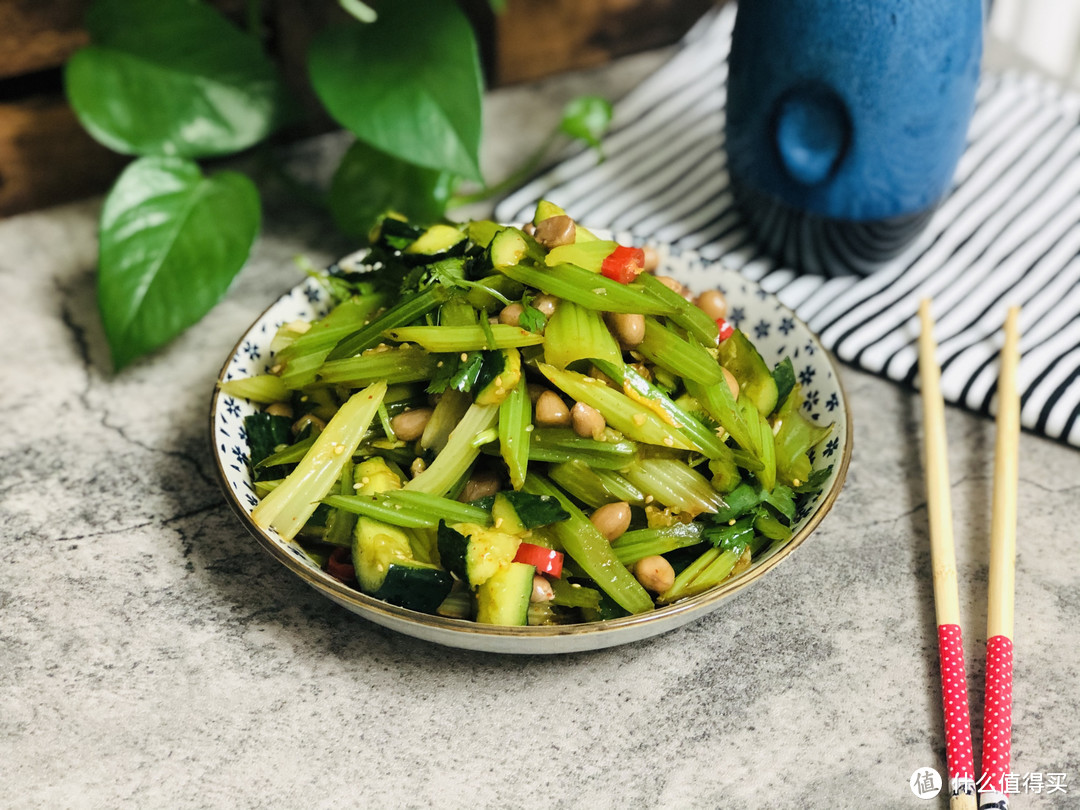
(774, 329)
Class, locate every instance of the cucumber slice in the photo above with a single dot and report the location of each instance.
(526, 510)
(512, 246)
(386, 569)
(504, 598)
(496, 385)
(475, 554)
(394, 232)
(505, 517)
(438, 242)
(415, 586)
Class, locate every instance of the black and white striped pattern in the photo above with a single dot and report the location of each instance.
(1008, 233)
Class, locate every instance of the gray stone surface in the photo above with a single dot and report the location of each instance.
(152, 655)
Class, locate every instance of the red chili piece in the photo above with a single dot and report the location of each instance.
(726, 329)
(339, 565)
(623, 264)
(545, 560)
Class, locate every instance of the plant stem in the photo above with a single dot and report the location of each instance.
(514, 179)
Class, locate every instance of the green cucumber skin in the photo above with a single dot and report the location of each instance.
(504, 598)
(453, 547)
(420, 589)
(534, 511)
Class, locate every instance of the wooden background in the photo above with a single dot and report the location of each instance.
(46, 158)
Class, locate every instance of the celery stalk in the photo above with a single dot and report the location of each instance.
(577, 478)
(674, 484)
(795, 435)
(718, 402)
(444, 418)
(300, 371)
(688, 575)
(592, 552)
(588, 289)
(682, 531)
(288, 455)
(413, 510)
(649, 542)
(766, 441)
(689, 360)
(324, 334)
(633, 419)
(456, 458)
(289, 505)
(594, 486)
(562, 444)
(515, 416)
(404, 312)
(401, 365)
(262, 388)
(691, 318)
(709, 570)
(465, 338)
(622, 489)
(694, 433)
(576, 333)
(304, 355)
(341, 524)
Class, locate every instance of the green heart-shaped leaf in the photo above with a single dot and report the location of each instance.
(171, 77)
(409, 83)
(368, 183)
(171, 242)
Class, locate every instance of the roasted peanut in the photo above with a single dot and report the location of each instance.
(654, 573)
(511, 314)
(556, 231)
(588, 423)
(481, 484)
(409, 425)
(678, 287)
(712, 303)
(732, 383)
(280, 409)
(546, 304)
(551, 411)
(628, 327)
(541, 590)
(611, 519)
(652, 259)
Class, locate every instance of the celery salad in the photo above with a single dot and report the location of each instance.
(524, 426)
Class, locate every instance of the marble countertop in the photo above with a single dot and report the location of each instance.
(152, 655)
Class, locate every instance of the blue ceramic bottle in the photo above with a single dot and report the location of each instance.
(845, 121)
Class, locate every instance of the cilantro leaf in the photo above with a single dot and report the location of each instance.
(532, 319)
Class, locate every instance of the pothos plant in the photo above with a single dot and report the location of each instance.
(174, 82)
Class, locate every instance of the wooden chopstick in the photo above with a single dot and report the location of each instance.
(959, 755)
(997, 713)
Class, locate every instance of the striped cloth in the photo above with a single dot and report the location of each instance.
(1008, 233)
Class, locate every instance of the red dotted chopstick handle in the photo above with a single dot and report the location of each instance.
(997, 720)
(961, 759)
